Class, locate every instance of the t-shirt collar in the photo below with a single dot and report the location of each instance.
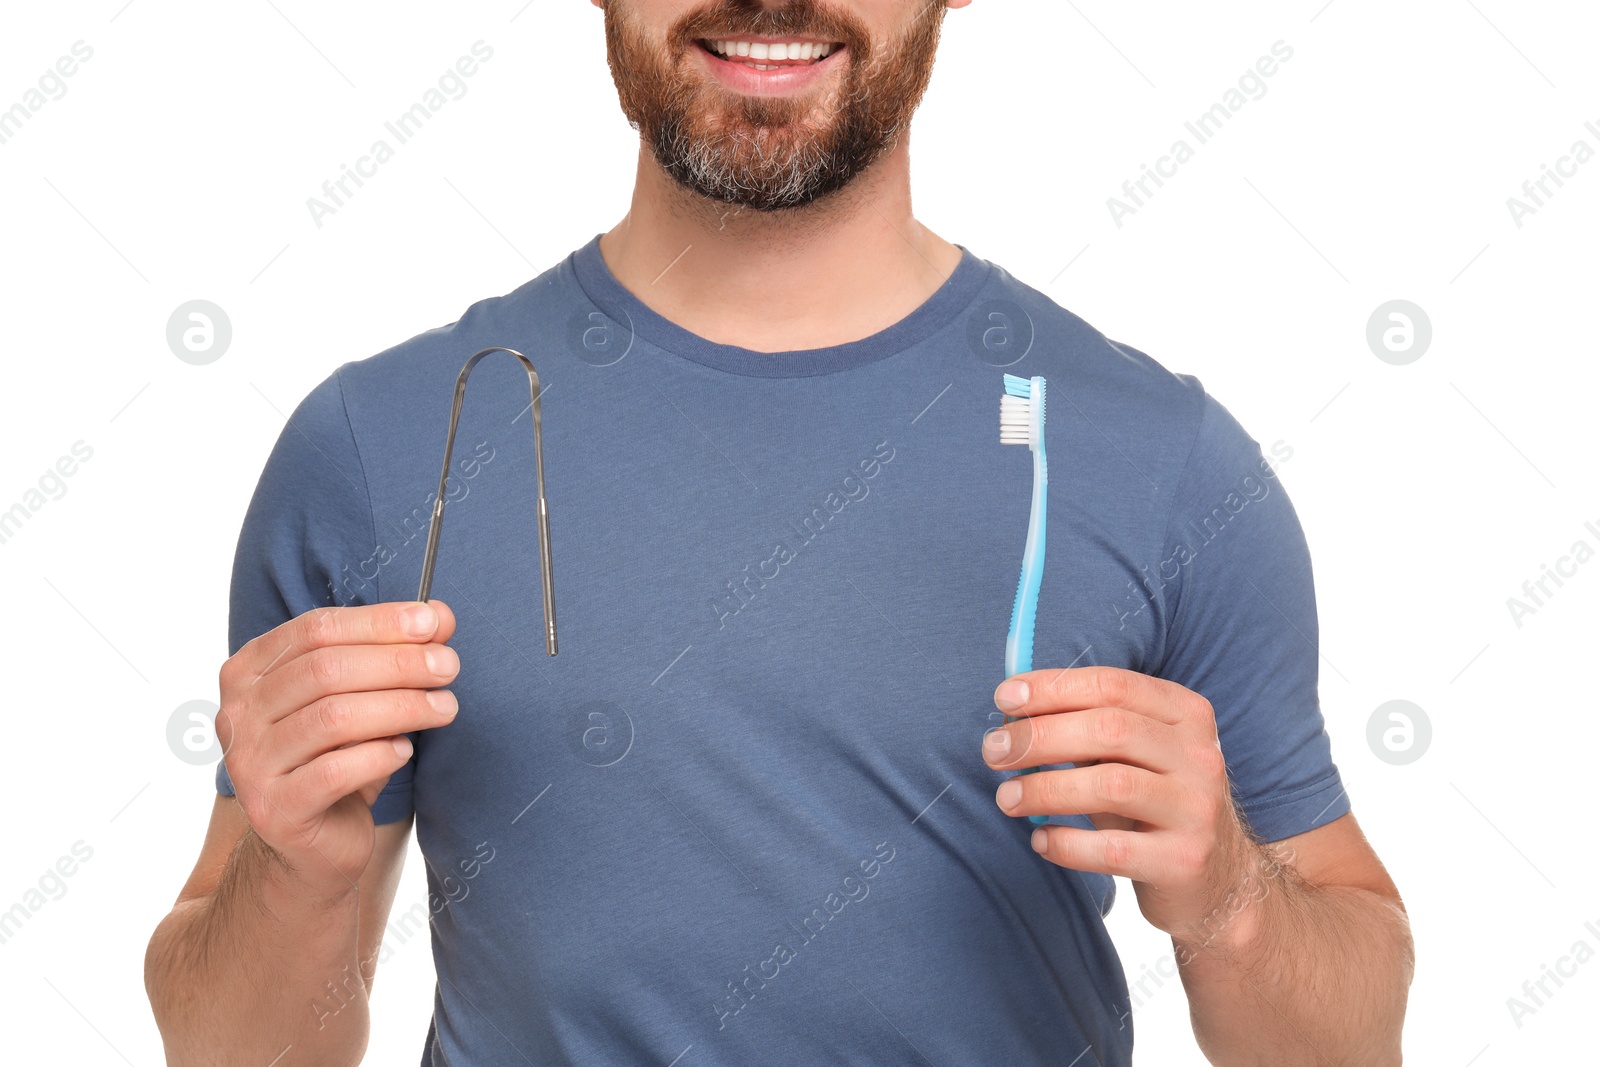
(629, 312)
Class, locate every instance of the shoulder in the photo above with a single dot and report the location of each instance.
(1119, 401)
(530, 319)
(1100, 375)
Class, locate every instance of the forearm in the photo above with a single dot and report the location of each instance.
(1300, 974)
(259, 967)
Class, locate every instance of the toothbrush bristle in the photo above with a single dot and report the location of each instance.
(1017, 409)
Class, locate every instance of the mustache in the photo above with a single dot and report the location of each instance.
(802, 18)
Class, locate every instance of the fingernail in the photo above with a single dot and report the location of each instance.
(421, 621)
(443, 701)
(402, 746)
(1040, 840)
(443, 661)
(1011, 695)
(1009, 794)
(996, 744)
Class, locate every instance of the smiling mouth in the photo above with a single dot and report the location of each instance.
(771, 54)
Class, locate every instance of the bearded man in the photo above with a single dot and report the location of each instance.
(769, 804)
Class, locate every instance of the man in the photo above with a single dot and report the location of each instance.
(764, 806)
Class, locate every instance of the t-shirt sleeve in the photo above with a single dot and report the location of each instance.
(308, 541)
(1242, 628)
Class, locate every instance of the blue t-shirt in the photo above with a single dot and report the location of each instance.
(743, 812)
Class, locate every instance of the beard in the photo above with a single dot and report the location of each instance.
(769, 153)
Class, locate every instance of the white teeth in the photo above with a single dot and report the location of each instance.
(783, 50)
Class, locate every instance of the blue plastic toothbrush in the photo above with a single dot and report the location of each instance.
(1022, 423)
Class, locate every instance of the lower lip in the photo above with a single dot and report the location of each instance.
(779, 80)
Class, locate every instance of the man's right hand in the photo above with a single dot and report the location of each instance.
(312, 720)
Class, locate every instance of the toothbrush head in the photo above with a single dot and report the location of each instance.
(1022, 412)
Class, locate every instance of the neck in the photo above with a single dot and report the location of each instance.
(825, 274)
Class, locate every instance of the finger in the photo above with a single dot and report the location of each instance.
(1114, 788)
(345, 719)
(336, 669)
(1080, 688)
(1125, 853)
(317, 786)
(401, 622)
(1082, 736)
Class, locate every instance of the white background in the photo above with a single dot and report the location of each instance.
(1376, 167)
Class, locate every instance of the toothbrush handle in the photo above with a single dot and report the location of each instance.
(1019, 645)
(1037, 820)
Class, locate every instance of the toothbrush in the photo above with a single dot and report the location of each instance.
(1022, 423)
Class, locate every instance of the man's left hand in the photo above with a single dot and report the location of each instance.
(1149, 775)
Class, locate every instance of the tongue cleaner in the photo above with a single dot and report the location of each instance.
(430, 554)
